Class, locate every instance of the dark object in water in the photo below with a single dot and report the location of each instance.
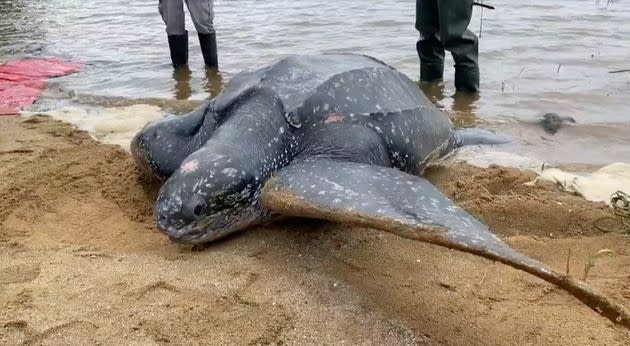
(552, 122)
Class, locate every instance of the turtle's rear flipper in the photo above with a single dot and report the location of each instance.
(409, 206)
(476, 136)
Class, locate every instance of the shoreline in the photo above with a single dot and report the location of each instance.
(117, 120)
(83, 263)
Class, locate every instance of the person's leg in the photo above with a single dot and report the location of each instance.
(202, 13)
(463, 44)
(429, 47)
(172, 12)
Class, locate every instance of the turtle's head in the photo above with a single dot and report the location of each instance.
(209, 196)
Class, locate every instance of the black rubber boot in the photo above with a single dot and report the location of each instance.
(429, 47)
(467, 79)
(431, 56)
(208, 44)
(454, 18)
(431, 72)
(178, 44)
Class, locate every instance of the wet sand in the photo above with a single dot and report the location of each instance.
(81, 263)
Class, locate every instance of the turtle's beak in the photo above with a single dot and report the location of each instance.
(187, 237)
(189, 234)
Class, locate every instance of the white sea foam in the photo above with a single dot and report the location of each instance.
(113, 125)
(596, 186)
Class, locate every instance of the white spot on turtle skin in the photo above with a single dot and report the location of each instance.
(230, 172)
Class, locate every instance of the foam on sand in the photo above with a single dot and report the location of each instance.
(597, 186)
(113, 125)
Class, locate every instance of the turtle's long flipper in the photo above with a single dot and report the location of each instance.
(161, 146)
(409, 206)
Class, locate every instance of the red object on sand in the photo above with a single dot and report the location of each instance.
(22, 81)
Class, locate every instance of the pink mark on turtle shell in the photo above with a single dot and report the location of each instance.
(190, 166)
(334, 118)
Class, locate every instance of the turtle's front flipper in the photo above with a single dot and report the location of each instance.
(161, 146)
(409, 206)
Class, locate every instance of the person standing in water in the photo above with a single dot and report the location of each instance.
(443, 25)
(202, 13)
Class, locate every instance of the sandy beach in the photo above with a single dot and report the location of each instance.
(81, 263)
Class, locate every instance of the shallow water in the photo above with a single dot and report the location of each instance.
(542, 56)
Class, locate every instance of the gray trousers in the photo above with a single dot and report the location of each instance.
(201, 11)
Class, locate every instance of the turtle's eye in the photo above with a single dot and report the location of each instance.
(198, 210)
(194, 207)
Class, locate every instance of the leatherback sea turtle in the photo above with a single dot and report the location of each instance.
(341, 137)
